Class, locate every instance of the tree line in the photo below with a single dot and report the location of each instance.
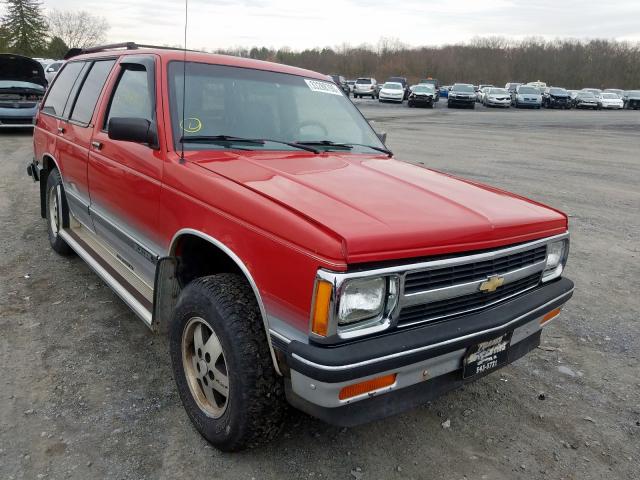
(563, 62)
(26, 30)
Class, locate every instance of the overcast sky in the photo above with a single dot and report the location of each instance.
(301, 24)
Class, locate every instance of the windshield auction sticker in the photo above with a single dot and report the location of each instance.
(323, 87)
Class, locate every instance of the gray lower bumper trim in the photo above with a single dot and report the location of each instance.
(428, 347)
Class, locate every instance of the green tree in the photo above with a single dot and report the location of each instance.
(4, 40)
(26, 27)
(57, 48)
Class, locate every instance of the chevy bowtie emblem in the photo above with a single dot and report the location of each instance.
(491, 283)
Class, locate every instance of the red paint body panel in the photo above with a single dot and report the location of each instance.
(287, 213)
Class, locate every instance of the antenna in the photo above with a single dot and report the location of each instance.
(184, 80)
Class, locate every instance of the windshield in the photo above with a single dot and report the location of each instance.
(392, 86)
(498, 91)
(610, 95)
(366, 81)
(528, 91)
(587, 94)
(632, 92)
(423, 89)
(557, 91)
(463, 88)
(258, 104)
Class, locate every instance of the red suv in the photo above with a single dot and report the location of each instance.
(249, 210)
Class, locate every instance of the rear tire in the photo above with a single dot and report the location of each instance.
(222, 364)
(57, 213)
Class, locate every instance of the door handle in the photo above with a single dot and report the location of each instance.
(61, 130)
(96, 145)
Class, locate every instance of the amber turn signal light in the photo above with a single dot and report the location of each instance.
(320, 320)
(367, 386)
(548, 316)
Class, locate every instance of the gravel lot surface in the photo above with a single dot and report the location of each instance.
(86, 390)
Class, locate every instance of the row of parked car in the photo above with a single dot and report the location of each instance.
(538, 95)
(533, 94)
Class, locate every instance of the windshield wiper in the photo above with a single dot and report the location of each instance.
(219, 138)
(346, 146)
(327, 143)
(232, 139)
(379, 149)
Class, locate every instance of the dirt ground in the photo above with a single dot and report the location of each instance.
(86, 390)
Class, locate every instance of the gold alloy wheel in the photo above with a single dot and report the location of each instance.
(205, 367)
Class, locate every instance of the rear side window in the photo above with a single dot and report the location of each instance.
(59, 92)
(90, 91)
(131, 97)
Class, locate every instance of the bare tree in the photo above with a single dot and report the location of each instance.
(77, 29)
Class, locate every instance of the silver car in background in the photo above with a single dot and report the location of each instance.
(527, 96)
(617, 91)
(365, 87)
(496, 97)
(586, 99)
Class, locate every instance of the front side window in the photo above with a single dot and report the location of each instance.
(59, 92)
(131, 97)
(258, 104)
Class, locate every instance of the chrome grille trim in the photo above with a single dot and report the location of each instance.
(401, 271)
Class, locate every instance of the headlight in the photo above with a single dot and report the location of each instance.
(556, 259)
(361, 299)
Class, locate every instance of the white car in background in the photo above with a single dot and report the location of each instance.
(610, 101)
(391, 92)
(496, 97)
(52, 70)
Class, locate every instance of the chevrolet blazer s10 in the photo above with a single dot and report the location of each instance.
(250, 212)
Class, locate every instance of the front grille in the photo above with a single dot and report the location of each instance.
(17, 104)
(475, 301)
(16, 120)
(469, 272)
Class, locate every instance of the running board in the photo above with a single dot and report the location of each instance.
(120, 286)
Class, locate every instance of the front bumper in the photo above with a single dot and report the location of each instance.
(390, 98)
(427, 359)
(461, 101)
(498, 103)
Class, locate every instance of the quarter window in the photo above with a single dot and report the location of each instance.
(88, 96)
(59, 92)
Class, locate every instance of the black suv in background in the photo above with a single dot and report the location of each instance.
(462, 95)
(405, 85)
(554, 97)
(341, 82)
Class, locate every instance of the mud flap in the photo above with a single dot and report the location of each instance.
(165, 293)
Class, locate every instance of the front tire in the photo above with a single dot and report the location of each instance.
(57, 213)
(222, 364)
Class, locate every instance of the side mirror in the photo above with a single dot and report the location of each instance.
(383, 137)
(50, 69)
(138, 130)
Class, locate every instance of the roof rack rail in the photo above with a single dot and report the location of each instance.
(114, 46)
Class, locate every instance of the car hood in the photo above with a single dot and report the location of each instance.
(382, 208)
(21, 69)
